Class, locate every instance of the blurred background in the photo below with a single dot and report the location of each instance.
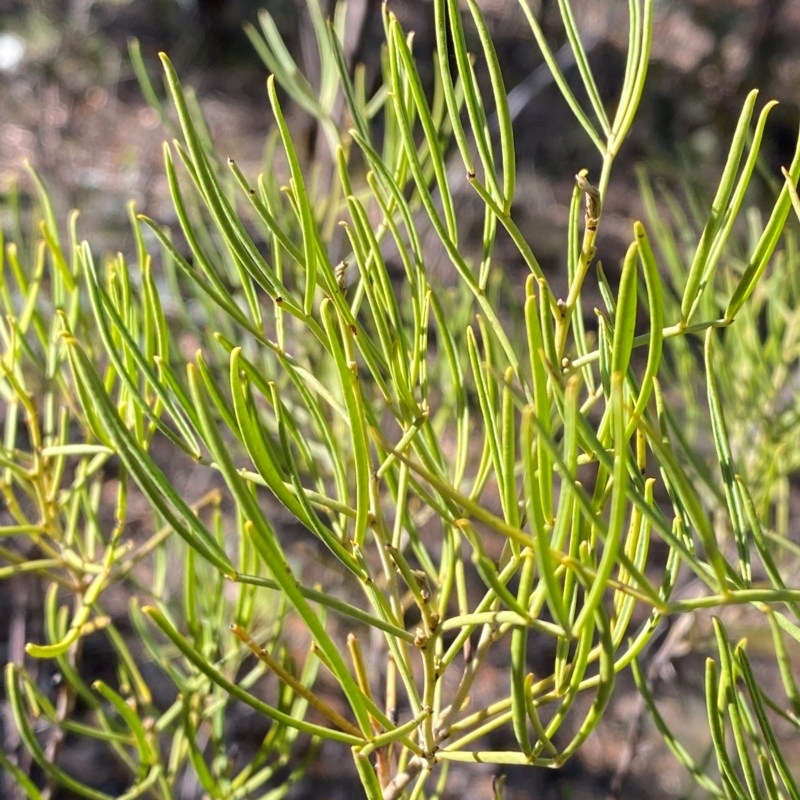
(71, 105)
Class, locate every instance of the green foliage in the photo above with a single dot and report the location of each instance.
(476, 462)
(69, 532)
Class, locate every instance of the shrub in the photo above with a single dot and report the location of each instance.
(479, 473)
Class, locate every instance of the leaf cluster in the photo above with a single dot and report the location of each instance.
(484, 473)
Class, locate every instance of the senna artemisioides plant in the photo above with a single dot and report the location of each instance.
(480, 470)
(74, 546)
